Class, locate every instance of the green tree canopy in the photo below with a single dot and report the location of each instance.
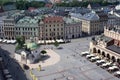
(56, 44)
(20, 40)
(43, 52)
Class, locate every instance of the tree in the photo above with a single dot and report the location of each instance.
(56, 44)
(43, 52)
(21, 41)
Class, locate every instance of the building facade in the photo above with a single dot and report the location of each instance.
(27, 27)
(93, 23)
(107, 45)
(9, 25)
(1, 27)
(9, 28)
(53, 27)
(73, 28)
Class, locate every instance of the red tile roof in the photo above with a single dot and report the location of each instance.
(49, 5)
(31, 9)
(53, 19)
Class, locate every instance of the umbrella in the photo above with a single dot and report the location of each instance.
(118, 72)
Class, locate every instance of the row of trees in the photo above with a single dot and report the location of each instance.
(23, 4)
(76, 3)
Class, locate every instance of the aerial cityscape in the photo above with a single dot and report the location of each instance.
(59, 39)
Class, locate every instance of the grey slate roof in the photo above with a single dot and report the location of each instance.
(114, 48)
(94, 5)
(91, 16)
(9, 7)
(104, 38)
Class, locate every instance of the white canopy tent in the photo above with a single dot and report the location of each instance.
(118, 72)
(46, 41)
(4, 40)
(106, 64)
(0, 40)
(12, 41)
(100, 61)
(86, 52)
(52, 41)
(60, 40)
(112, 68)
(95, 58)
(8, 41)
(90, 55)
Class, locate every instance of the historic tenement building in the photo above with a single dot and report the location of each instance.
(27, 26)
(9, 25)
(1, 27)
(73, 28)
(93, 23)
(108, 44)
(52, 27)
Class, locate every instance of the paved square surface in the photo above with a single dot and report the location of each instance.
(71, 65)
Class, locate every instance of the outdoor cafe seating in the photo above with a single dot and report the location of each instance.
(113, 69)
(85, 53)
(117, 74)
(106, 65)
(90, 55)
(100, 62)
(93, 59)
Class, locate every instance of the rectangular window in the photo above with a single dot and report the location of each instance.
(57, 29)
(57, 33)
(61, 33)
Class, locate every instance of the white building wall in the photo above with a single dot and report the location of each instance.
(18, 57)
